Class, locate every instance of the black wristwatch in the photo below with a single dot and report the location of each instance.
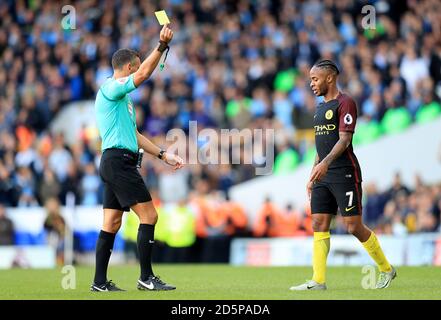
(161, 154)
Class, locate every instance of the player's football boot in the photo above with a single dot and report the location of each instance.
(154, 283)
(309, 285)
(108, 286)
(386, 278)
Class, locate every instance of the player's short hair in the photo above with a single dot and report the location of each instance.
(327, 64)
(122, 57)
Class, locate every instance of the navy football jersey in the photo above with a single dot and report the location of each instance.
(330, 118)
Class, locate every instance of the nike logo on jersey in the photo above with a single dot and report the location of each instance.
(349, 209)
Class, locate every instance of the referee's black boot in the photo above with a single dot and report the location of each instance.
(108, 286)
(154, 283)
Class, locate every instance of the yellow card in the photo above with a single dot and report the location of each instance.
(162, 17)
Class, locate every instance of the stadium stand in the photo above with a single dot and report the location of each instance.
(241, 64)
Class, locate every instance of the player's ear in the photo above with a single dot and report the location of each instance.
(329, 78)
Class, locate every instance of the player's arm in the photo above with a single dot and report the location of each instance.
(154, 150)
(149, 64)
(342, 144)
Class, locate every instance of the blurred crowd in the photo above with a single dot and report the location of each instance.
(232, 64)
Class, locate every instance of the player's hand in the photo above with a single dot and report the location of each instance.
(173, 160)
(309, 189)
(166, 34)
(319, 171)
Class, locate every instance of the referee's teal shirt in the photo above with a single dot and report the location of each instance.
(115, 114)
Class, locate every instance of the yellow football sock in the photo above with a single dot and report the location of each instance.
(372, 246)
(320, 253)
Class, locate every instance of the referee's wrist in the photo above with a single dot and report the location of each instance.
(162, 46)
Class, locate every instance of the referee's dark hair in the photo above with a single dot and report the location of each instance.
(123, 56)
(327, 64)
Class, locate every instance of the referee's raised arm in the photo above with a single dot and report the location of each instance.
(149, 64)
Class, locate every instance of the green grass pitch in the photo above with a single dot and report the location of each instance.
(221, 282)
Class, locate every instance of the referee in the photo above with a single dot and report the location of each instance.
(124, 187)
(335, 180)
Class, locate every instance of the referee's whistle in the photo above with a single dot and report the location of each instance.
(140, 155)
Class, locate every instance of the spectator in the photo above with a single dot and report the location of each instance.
(435, 64)
(130, 235)
(90, 184)
(397, 187)
(288, 224)
(49, 186)
(273, 222)
(71, 184)
(210, 224)
(374, 206)
(398, 227)
(237, 219)
(6, 228)
(60, 158)
(8, 189)
(265, 222)
(26, 185)
(181, 234)
(55, 227)
(413, 69)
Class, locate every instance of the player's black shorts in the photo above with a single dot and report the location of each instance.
(327, 197)
(123, 185)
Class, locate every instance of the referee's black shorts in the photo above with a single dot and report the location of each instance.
(123, 185)
(328, 197)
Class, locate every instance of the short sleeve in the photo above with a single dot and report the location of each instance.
(347, 114)
(118, 88)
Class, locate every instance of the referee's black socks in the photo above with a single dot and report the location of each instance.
(146, 233)
(104, 248)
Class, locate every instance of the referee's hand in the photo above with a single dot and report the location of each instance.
(166, 33)
(173, 160)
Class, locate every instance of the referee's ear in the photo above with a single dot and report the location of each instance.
(133, 66)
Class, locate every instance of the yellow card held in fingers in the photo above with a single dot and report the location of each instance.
(162, 17)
